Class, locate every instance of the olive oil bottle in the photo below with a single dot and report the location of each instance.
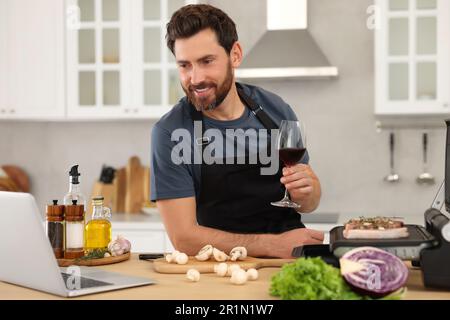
(98, 230)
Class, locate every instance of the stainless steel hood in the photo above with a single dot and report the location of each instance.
(287, 49)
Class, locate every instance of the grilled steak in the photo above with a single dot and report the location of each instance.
(375, 228)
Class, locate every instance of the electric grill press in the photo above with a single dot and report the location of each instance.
(427, 247)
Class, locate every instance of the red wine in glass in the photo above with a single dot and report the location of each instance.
(291, 156)
(291, 149)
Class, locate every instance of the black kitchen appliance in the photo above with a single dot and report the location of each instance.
(435, 261)
(405, 248)
(427, 247)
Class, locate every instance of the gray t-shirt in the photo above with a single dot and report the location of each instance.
(171, 180)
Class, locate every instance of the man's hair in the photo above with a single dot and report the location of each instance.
(191, 19)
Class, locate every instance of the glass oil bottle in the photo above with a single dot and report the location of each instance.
(98, 230)
(74, 188)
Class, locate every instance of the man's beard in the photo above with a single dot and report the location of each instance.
(206, 103)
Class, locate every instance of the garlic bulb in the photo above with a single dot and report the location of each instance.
(119, 246)
(221, 269)
(239, 277)
(252, 274)
(181, 258)
(193, 275)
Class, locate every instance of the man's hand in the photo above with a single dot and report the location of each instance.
(287, 241)
(303, 186)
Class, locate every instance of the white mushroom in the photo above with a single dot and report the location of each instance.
(252, 274)
(232, 268)
(181, 258)
(193, 275)
(239, 277)
(220, 256)
(205, 253)
(221, 269)
(238, 253)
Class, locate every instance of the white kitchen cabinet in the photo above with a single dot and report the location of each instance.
(3, 63)
(117, 61)
(146, 233)
(98, 58)
(32, 59)
(144, 241)
(412, 57)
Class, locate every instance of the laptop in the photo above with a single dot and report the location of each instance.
(28, 259)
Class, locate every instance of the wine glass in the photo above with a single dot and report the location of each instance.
(291, 147)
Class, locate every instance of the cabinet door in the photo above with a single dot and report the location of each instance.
(155, 77)
(3, 64)
(34, 57)
(412, 57)
(98, 58)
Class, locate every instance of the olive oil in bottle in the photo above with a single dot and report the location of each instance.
(98, 230)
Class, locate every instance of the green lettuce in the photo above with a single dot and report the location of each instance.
(313, 279)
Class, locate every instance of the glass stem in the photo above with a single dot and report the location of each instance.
(286, 196)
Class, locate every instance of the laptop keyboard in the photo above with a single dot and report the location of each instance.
(84, 282)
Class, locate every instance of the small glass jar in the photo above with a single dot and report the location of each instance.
(98, 230)
(74, 247)
(55, 228)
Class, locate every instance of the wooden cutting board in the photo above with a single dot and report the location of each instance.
(93, 262)
(15, 180)
(120, 187)
(146, 184)
(162, 266)
(135, 197)
(104, 190)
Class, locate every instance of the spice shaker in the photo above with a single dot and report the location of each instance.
(74, 231)
(55, 228)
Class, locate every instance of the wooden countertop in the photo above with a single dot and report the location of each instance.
(210, 286)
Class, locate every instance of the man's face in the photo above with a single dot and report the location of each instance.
(206, 70)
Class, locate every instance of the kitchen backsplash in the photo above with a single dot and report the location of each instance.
(349, 156)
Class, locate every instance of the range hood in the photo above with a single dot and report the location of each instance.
(287, 49)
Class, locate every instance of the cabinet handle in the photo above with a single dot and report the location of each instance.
(127, 110)
(3, 111)
(12, 111)
(445, 105)
(136, 110)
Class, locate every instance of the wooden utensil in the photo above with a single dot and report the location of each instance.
(93, 262)
(162, 266)
(134, 197)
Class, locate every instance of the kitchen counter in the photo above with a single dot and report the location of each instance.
(210, 286)
(148, 234)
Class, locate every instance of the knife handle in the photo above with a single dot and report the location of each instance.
(151, 256)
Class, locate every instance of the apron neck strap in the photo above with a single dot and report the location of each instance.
(256, 109)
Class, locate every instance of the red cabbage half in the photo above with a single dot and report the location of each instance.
(374, 272)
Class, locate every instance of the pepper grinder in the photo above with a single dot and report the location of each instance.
(55, 228)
